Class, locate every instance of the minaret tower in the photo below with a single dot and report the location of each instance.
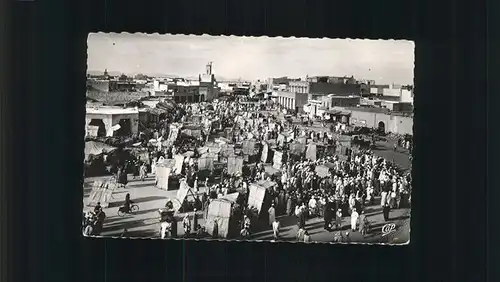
(209, 68)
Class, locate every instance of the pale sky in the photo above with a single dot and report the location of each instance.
(385, 61)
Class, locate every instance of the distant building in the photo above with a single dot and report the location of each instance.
(160, 86)
(397, 93)
(280, 83)
(150, 115)
(407, 95)
(382, 119)
(104, 76)
(122, 85)
(98, 85)
(326, 102)
(341, 101)
(208, 89)
(318, 89)
(299, 86)
(400, 107)
(365, 102)
(115, 98)
(185, 93)
(366, 81)
(314, 108)
(226, 87)
(332, 79)
(241, 91)
(378, 90)
(393, 90)
(181, 90)
(292, 101)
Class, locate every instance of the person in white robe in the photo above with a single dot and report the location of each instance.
(276, 229)
(312, 206)
(195, 185)
(153, 166)
(354, 219)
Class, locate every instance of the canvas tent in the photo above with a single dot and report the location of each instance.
(213, 148)
(234, 165)
(192, 130)
(322, 171)
(284, 137)
(259, 198)
(184, 192)
(219, 210)
(267, 154)
(206, 161)
(345, 140)
(101, 193)
(179, 161)
(249, 147)
(162, 176)
(277, 159)
(227, 150)
(256, 196)
(270, 170)
(173, 134)
(96, 148)
(281, 139)
(266, 184)
(297, 149)
(231, 197)
(202, 150)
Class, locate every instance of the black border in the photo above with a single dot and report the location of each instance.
(46, 106)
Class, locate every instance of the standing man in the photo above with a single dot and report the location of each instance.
(302, 215)
(338, 219)
(186, 223)
(288, 198)
(215, 232)
(174, 227)
(195, 220)
(387, 209)
(362, 223)
(328, 215)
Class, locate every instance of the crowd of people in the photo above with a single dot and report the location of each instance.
(353, 182)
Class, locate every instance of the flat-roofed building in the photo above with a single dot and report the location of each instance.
(111, 121)
(382, 119)
(292, 101)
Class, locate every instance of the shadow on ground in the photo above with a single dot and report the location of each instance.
(109, 228)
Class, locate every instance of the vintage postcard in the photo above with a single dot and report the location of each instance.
(248, 138)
